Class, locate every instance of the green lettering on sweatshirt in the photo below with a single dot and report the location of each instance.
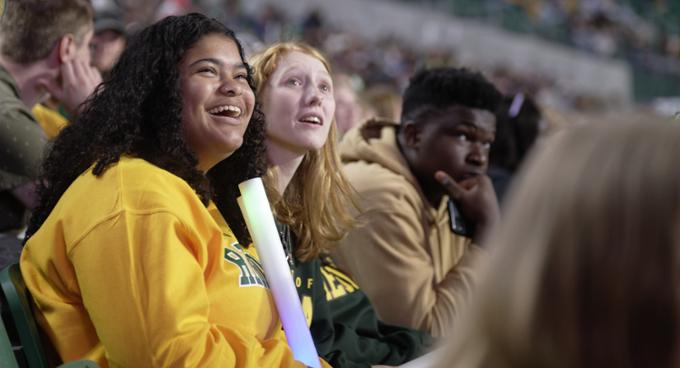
(251, 272)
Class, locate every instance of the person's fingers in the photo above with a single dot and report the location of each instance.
(95, 75)
(455, 190)
(475, 181)
(51, 86)
(87, 71)
(90, 78)
(68, 73)
(469, 183)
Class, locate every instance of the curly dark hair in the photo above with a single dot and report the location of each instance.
(439, 88)
(137, 112)
(249, 161)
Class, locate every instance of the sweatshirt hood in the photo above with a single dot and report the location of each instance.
(375, 141)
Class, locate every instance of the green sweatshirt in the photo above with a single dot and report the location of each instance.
(343, 323)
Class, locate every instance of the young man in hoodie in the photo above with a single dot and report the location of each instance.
(427, 201)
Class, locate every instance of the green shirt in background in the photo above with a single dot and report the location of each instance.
(343, 323)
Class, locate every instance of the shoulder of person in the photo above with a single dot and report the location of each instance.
(14, 111)
(137, 185)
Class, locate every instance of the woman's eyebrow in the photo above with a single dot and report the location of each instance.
(218, 62)
(298, 69)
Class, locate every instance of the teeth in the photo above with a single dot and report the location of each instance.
(234, 109)
(312, 119)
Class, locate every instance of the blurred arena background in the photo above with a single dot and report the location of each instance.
(576, 57)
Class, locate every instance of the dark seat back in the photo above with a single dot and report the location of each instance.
(16, 297)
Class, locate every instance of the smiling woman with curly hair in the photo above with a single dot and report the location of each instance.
(125, 262)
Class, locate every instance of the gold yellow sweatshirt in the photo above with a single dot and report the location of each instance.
(131, 270)
(51, 121)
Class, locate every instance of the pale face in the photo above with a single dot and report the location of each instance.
(82, 51)
(348, 111)
(217, 101)
(298, 105)
(106, 49)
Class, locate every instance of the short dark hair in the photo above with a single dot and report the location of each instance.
(439, 88)
(31, 28)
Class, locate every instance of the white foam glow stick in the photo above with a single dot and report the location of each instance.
(260, 222)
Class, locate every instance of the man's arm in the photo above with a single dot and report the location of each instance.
(387, 256)
(22, 143)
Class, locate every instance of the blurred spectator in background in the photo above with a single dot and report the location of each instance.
(108, 41)
(517, 128)
(271, 24)
(313, 28)
(44, 52)
(106, 45)
(382, 101)
(348, 110)
(585, 265)
(231, 15)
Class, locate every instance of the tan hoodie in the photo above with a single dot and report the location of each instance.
(415, 270)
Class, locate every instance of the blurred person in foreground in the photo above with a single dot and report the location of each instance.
(427, 200)
(585, 266)
(44, 52)
(126, 264)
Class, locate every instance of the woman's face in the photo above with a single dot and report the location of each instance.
(217, 101)
(298, 104)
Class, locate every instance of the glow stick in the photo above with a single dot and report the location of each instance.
(260, 222)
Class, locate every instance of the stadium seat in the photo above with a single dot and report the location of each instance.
(7, 358)
(17, 311)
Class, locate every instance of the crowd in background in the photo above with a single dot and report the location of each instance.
(604, 27)
(607, 28)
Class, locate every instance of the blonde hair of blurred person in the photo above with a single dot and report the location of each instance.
(316, 200)
(348, 109)
(587, 263)
(384, 100)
